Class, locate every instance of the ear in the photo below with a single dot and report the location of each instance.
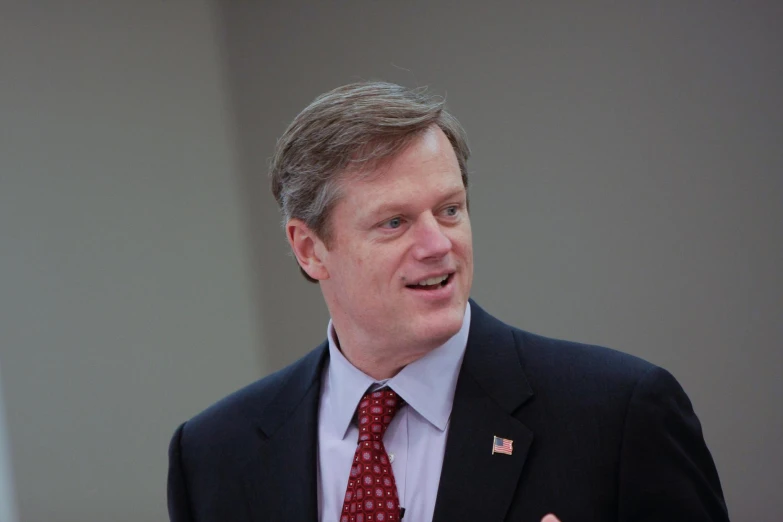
(308, 248)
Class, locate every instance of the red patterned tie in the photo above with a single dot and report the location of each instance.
(372, 492)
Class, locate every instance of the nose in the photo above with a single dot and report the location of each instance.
(431, 240)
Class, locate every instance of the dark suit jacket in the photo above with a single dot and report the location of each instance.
(598, 436)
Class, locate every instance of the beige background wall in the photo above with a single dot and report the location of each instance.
(626, 190)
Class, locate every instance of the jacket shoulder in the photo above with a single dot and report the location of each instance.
(231, 418)
(583, 376)
(568, 357)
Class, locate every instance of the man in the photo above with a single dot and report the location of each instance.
(420, 405)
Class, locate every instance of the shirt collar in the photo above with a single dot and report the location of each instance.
(427, 384)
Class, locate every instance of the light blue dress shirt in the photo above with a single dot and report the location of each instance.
(415, 439)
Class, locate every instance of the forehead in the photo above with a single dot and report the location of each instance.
(428, 161)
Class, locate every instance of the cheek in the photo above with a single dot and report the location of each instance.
(387, 267)
(359, 264)
(462, 243)
(367, 265)
(363, 268)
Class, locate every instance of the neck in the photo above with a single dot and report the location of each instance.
(382, 362)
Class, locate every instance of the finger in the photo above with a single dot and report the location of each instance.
(550, 518)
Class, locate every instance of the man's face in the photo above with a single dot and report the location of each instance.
(405, 225)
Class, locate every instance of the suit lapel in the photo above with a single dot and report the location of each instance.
(475, 483)
(281, 478)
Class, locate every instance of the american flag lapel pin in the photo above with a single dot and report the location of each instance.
(502, 446)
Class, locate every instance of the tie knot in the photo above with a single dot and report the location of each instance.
(375, 412)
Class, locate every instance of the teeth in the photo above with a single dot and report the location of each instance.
(433, 281)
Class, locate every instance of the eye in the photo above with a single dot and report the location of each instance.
(393, 223)
(452, 210)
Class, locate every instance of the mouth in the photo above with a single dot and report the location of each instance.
(432, 283)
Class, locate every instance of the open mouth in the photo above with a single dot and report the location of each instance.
(432, 284)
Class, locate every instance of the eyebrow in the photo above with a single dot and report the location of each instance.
(387, 208)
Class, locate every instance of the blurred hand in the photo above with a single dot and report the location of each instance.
(550, 518)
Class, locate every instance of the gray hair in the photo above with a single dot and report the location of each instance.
(350, 129)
